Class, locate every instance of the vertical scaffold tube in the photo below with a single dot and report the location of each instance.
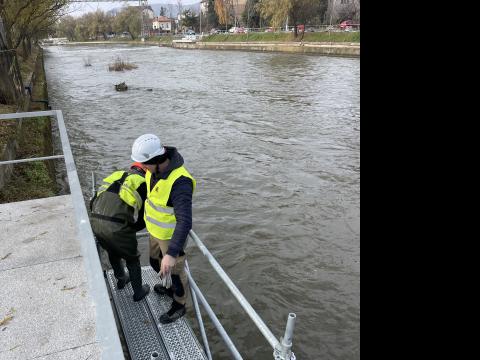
(236, 293)
(288, 337)
(199, 317)
(231, 347)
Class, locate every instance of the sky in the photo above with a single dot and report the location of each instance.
(81, 8)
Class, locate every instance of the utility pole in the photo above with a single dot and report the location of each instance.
(142, 4)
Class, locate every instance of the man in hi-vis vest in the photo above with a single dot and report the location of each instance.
(168, 216)
(117, 213)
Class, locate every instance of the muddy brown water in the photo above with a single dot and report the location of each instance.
(274, 143)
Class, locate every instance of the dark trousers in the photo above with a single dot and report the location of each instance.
(133, 266)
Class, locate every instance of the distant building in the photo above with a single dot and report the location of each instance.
(162, 23)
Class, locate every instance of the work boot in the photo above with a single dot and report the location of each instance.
(176, 312)
(121, 282)
(139, 295)
(159, 289)
(139, 290)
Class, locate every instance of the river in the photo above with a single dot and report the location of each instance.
(273, 141)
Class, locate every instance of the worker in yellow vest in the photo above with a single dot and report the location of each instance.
(117, 213)
(168, 216)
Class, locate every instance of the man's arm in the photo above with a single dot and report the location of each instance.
(181, 198)
(142, 191)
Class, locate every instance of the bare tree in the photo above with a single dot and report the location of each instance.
(11, 86)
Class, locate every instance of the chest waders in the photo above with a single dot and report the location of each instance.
(116, 234)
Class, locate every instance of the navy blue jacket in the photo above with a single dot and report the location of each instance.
(181, 201)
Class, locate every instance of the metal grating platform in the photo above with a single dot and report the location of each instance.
(143, 332)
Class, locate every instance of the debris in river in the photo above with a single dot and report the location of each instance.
(121, 87)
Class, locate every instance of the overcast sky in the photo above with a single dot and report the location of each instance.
(78, 9)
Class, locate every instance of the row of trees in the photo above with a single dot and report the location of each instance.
(275, 13)
(100, 24)
(219, 14)
(26, 21)
(22, 23)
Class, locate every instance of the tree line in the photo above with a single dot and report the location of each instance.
(219, 14)
(22, 23)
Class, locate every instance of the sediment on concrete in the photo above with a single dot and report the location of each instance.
(333, 49)
(46, 307)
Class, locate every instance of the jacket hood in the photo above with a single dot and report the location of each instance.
(176, 160)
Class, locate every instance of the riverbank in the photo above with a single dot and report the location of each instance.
(28, 138)
(324, 43)
(348, 49)
(319, 37)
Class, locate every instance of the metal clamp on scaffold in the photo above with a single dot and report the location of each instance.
(284, 350)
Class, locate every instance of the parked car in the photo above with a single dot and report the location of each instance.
(190, 32)
(348, 25)
(237, 30)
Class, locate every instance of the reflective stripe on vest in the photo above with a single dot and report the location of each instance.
(128, 191)
(159, 218)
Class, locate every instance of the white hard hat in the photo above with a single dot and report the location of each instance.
(146, 147)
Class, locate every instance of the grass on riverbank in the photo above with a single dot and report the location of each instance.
(7, 127)
(30, 180)
(286, 37)
(165, 39)
(337, 37)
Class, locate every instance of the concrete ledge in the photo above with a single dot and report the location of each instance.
(37, 231)
(46, 308)
(334, 49)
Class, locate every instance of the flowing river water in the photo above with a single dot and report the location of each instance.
(273, 141)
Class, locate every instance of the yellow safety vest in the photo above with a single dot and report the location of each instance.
(128, 191)
(160, 218)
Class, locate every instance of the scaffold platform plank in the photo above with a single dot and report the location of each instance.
(143, 331)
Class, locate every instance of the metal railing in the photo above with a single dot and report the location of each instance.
(283, 29)
(106, 333)
(282, 349)
(106, 329)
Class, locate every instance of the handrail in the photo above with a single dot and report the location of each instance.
(198, 315)
(238, 295)
(233, 350)
(106, 328)
(18, 161)
(282, 348)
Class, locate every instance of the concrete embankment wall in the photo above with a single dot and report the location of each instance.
(333, 49)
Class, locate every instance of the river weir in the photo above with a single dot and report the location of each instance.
(274, 143)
